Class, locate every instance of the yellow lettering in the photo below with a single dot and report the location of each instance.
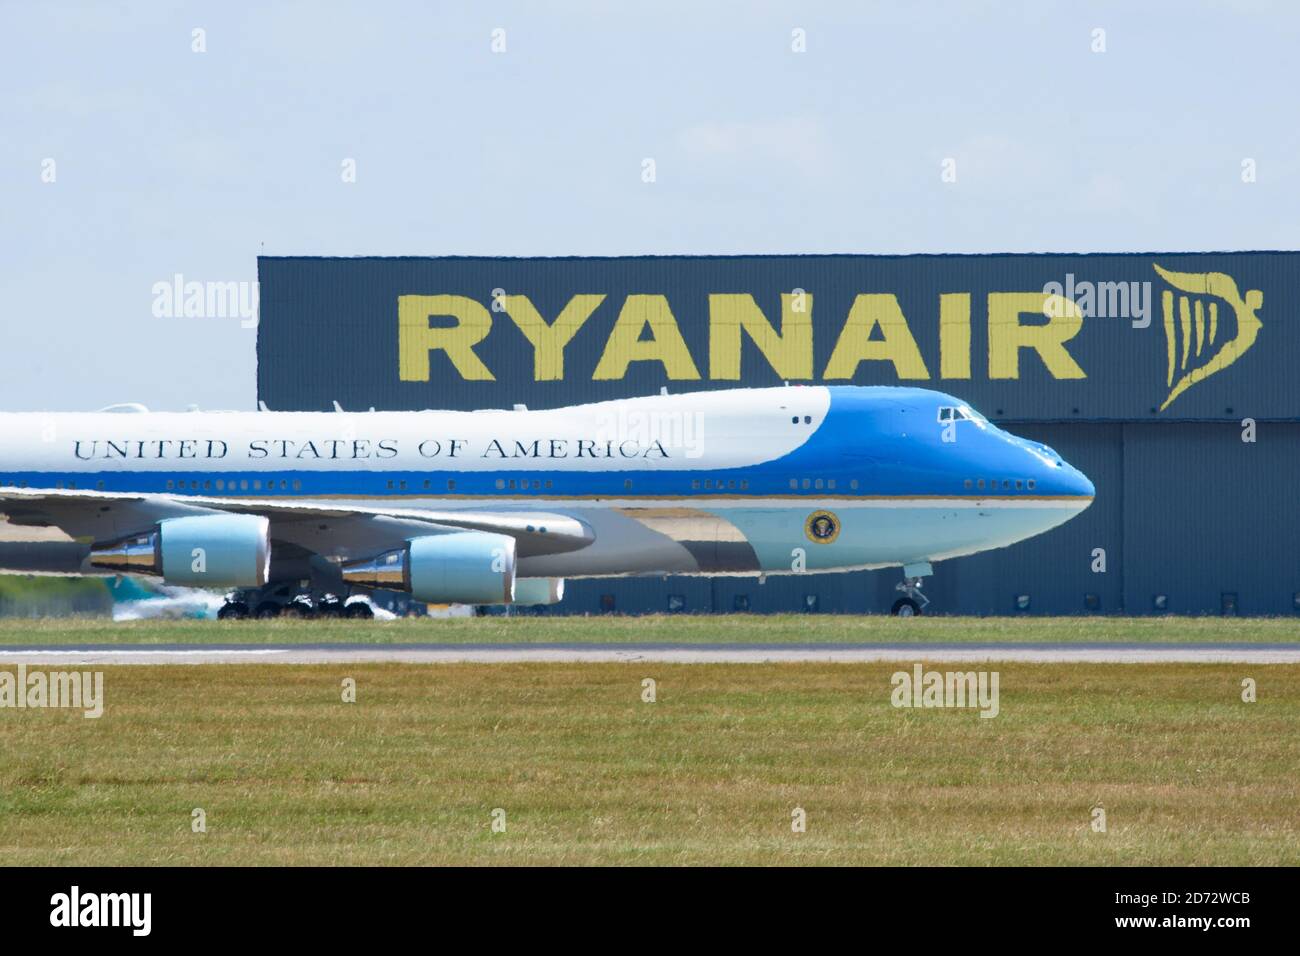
(415, 339)
(666, 345)
(789, 352)
(549, 340)
(856, 345)
(954, 335)
(1007, 336)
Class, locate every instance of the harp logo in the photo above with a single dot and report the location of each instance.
(1197, 314)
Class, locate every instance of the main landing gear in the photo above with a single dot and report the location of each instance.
(291, 602)
(915, 602)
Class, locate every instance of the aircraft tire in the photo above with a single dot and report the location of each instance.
(905, 607)
(233, 611)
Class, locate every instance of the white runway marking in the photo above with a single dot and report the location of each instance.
(678, 654)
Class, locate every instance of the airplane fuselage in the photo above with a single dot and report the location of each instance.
(745, 481)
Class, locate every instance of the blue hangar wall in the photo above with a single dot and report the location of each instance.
(1142, 369)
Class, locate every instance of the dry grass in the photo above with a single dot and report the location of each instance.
(588, 773)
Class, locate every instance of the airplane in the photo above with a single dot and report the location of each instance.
(301, 512)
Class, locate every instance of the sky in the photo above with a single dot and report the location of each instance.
(128, 155)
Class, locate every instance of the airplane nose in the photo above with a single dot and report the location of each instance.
(1059, 477)
(1079, 483)
(1068, 481)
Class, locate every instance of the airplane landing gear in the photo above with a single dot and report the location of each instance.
(295, 602)
(359, 610)
(233, 611)
(915, 602)
(905, 607)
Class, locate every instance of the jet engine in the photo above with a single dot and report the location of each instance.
(203, 551)
(539, 590)
(462, 567)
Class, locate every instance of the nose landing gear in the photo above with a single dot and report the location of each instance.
(915, 602)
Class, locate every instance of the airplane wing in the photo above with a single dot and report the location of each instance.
(324, 527)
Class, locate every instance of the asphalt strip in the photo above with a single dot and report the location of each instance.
(64, 655)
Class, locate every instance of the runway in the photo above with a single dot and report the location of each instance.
(1042, 653)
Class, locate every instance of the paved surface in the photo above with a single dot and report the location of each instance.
(654, 653)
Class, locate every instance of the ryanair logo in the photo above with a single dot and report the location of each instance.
(1197, 342)
(1207, 324)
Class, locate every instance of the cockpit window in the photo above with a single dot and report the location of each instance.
(959, 413)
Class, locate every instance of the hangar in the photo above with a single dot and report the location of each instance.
(1177, 398)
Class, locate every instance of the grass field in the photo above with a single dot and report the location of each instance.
(586, 772)
(688, 629)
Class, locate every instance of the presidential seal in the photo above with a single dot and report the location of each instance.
(822, 527)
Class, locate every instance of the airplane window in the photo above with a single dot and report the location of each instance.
(830, 483)
(968, 483)
(708, 483)
(807, 419)
(451, 484)
(853, 484)
(1019, 485)
(794, 420)
(243, 484)
(220, 485)
(807, 483)
(501, 483)
(72, 485)
(1032, 484)
(744, 484)
(390, 485)
(548, 484)
(627, 484)
(794, 484)
(980, 484)
(695, 485)
(400, 484)
(170, 484)
(945, 413)
(297, 485)
(818, 484)
(257, 484)
(1006, 484)
(207, 486)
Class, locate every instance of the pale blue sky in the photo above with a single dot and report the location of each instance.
(169, 161)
